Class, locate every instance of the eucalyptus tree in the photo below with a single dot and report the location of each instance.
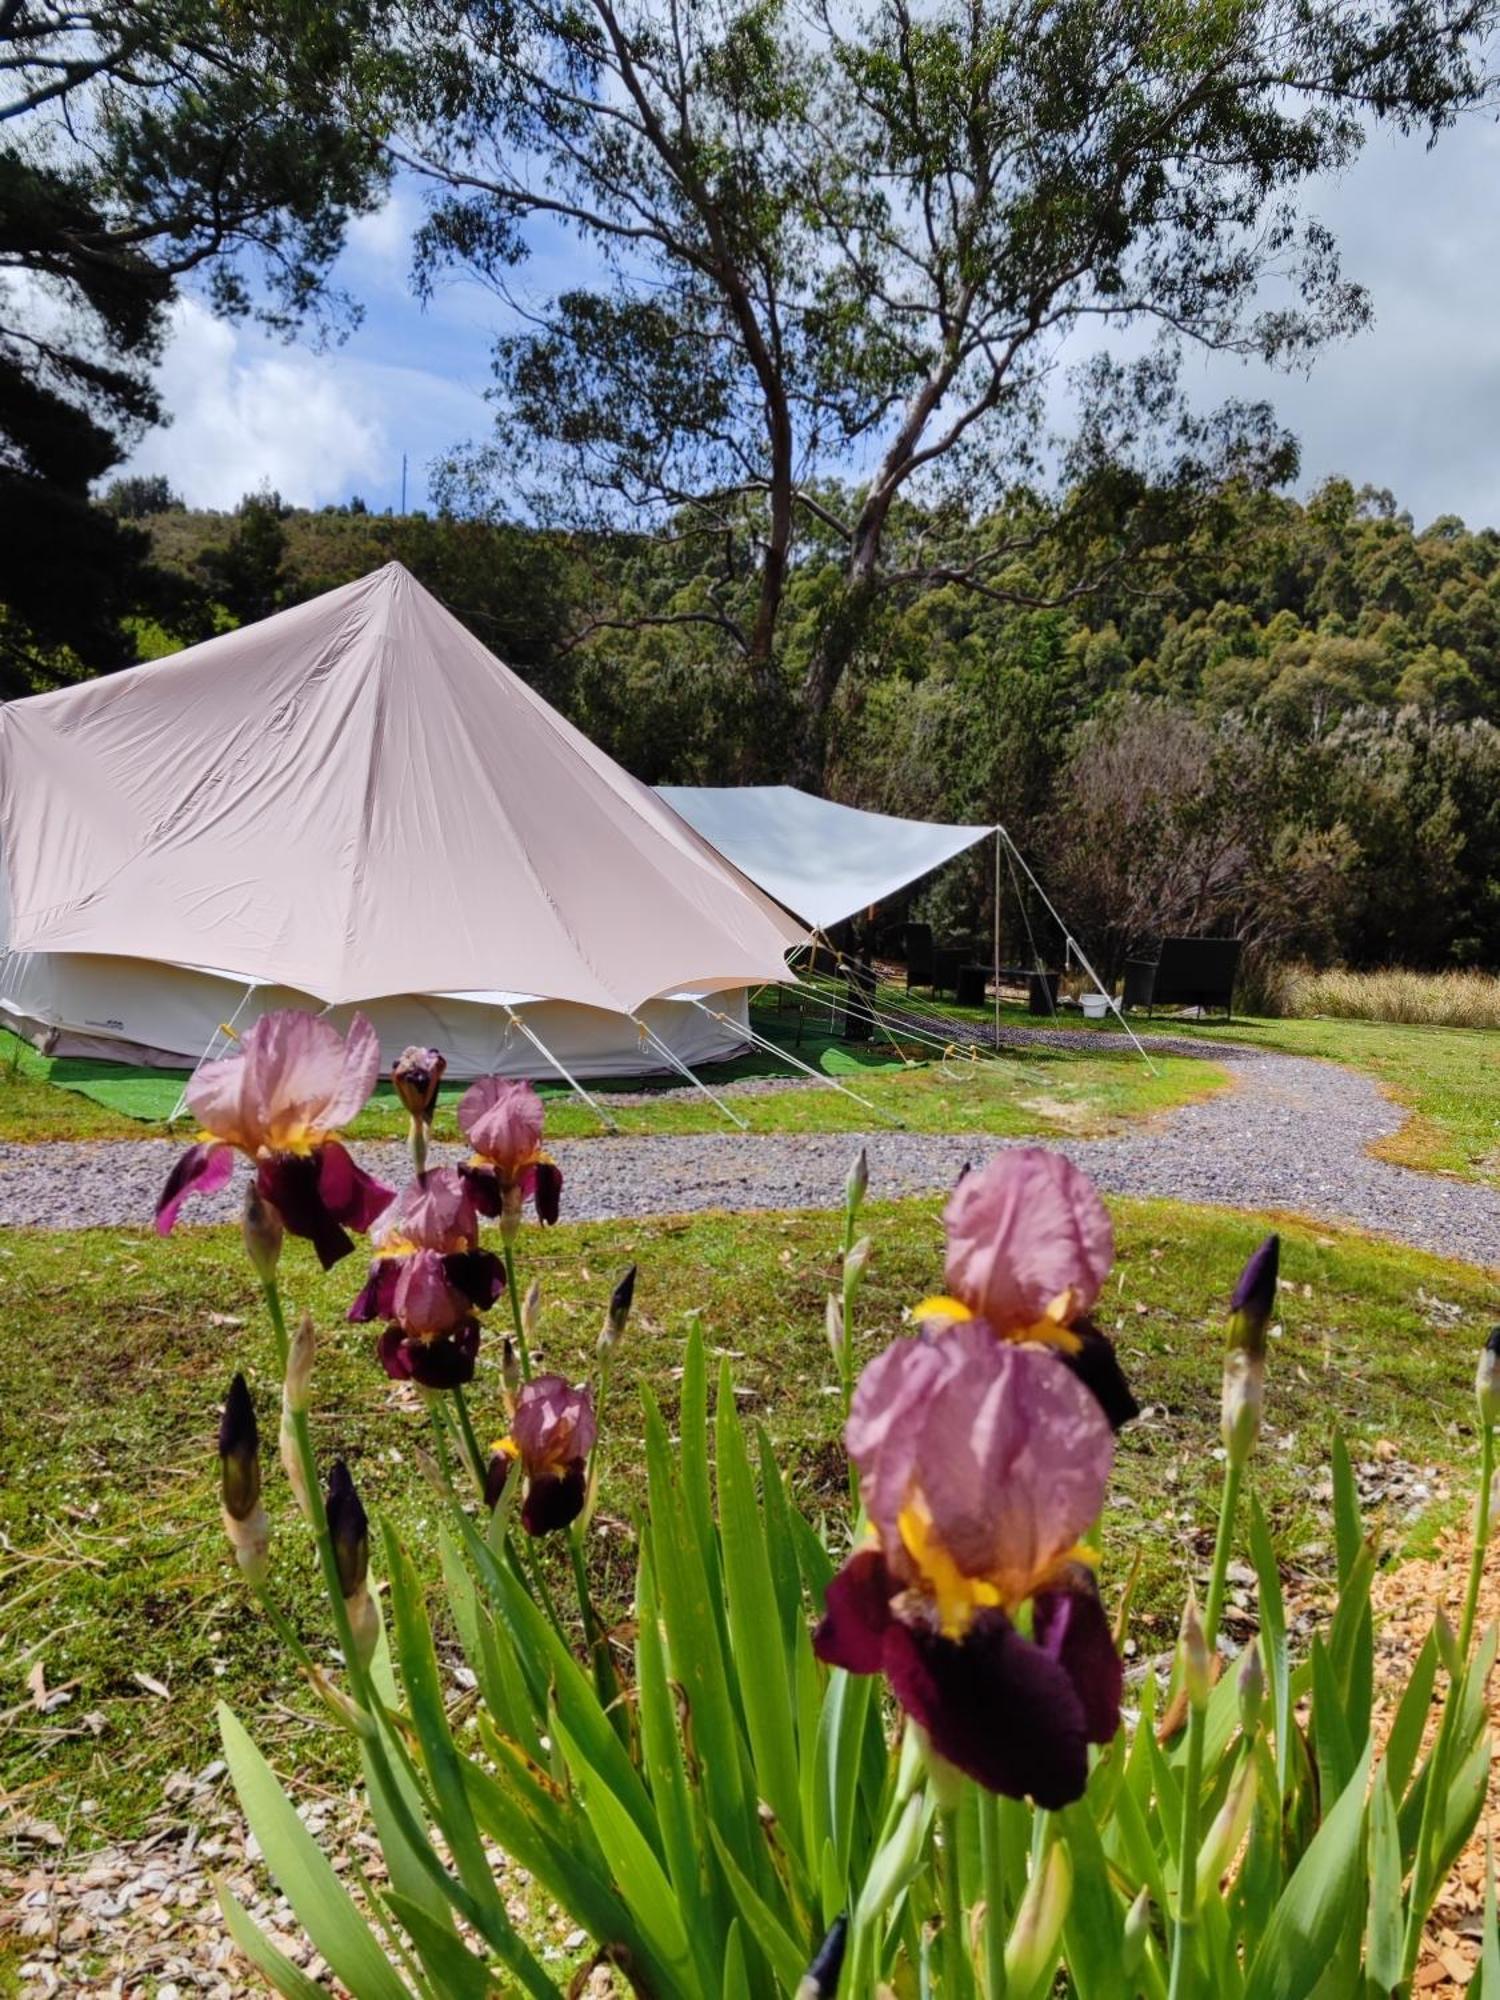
(145, 144)
(816, 244)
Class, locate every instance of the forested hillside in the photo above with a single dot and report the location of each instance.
(1293, 731)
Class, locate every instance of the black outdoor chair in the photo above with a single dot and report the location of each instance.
(1189, 972)
(917, 942)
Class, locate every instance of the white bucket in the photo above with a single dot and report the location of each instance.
(1095, 1006)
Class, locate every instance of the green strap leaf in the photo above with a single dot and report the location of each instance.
(303, 1873)
(787, 1958)
(1314, 1907)
(1385, 1925)
(636, 1869)
(765, 1692)
(456, 1973)
(262, 1954)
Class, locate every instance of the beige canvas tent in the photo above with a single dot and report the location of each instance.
(350, 804)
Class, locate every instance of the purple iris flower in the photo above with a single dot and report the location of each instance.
(291, 1085)
(981, 1464)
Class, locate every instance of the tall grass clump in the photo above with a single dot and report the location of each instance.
(1453, 999)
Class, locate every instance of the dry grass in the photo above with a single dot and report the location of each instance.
(1423, 999)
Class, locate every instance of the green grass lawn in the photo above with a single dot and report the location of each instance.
(1038, 1091)
(119, 1346)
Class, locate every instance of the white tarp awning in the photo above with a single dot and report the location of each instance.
(819, 860)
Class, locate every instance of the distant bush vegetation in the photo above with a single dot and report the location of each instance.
(1430, 999)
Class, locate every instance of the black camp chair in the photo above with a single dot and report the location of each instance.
(917, 943)
(1189, 972)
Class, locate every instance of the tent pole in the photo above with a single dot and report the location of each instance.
(818, 1076)
(697, 1082)
(225, 1028)
(1076, 948)
(996, 929)
(567, 1075)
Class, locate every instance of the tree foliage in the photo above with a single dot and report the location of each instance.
(865, 245)
(144, 143)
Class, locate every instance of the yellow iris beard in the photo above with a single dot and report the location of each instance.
(1047, 1332)
(957, 1596)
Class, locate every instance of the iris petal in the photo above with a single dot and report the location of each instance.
(351, 1196)
(483, 1184)
(478, 1274)
(1071, 1627)
(856, 1615)
(554, 1500)
(444, 1363)
(378, 1298)
(995, 1705)
(201, 1170)
(291, 1182)
(548, 1191)
(1097, 1367)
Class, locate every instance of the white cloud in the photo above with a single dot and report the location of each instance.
(249, 412)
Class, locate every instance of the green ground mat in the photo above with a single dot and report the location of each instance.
(151, 1094)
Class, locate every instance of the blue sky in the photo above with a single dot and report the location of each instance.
(1413, 404)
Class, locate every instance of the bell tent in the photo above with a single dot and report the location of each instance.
(354, 804)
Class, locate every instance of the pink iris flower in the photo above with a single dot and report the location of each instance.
(1030, 1245)
(981, 1465)
(552, 1433)
(502, 1120)
(291, 1085)
(428, 1281)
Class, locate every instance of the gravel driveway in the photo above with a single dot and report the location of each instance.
(1291, 1135)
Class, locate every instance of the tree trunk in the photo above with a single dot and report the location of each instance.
(837, 643)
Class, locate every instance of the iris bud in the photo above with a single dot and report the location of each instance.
(342, 1708)
(1254, 1299)
(299, 1366)
(245, 1521)
(856, 1182)
(1197, 1667)
(821, 1979)
(239, 1452)
(416, 1076)
(1221, 1842)
(1252, 1689)
(510, 1366)
(1133, 1939)
(833, 1320)
(1031, 1948)
(531, 1309)
(1250, 1312)
(349, 1531)
(262, 1228)
(1487, 1380)
(856, 1259)
(619, 1312)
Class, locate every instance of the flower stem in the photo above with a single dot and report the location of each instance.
(958, 1974)
(1481, 1539)
(1192, 1777)
(515, 1310)
(471, 1441)
(491, 1922)
(992, 1858)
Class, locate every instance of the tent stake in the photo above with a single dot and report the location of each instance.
(567, 1075)
(818, 1075)
(697, 1082)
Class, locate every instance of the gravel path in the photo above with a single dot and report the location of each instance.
(1291, 1135)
